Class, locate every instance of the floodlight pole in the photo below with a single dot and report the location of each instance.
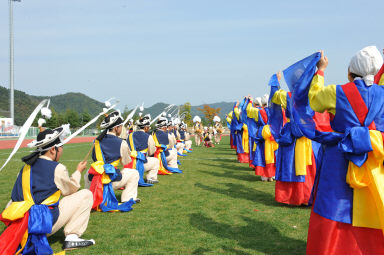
(11, 77)
(11, 99)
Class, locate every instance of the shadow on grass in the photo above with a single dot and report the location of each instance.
(231, 174)
(202, 251)
(256, 235)
(231, 165)
(239, 191)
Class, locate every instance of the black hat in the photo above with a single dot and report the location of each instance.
(45, 140)
(162, 122)
(144, 121)
(112, 120)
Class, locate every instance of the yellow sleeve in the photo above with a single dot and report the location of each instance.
(381, 81)
(237, 112)
(322, 98)
(229, 117)
(280, 98)
(252, 112)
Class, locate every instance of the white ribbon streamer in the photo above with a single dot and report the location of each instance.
(85, 126)
(24, 130)
(130, 115)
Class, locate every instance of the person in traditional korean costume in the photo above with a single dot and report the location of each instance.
(240, 128)
(104, 177)
(185, 137)
(218, 128)
(143, 148)
(198, 130)
(165, 151)
(264, 157)
(295, 166)
(207, 138)
(228, 119)
(348, 210)
(179, 145)
(45, 199)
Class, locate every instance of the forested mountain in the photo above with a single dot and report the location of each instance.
(24, 104)
(71, 106)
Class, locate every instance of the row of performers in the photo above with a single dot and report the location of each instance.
(324, 147)
(207, 136)
(45, 198)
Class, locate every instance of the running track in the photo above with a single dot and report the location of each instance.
(9, 144)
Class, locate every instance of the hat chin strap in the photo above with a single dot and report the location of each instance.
(57, 151)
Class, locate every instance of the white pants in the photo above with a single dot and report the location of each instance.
(129, 181)
(188, 144)
(152, 167)
(198, 139)
(172, 158)
(180, 147)
(217, 138)
(74, 210)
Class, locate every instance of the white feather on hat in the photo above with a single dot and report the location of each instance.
(216, 119)
(196, 119)
(46, 112)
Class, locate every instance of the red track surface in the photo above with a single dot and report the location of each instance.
(9, 144)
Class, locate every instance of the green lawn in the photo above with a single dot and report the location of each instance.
(217, 206)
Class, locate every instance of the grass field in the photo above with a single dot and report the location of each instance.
(217, 206)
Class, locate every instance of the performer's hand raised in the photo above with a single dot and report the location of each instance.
(279, 75)
(323, 62)
(81, 166)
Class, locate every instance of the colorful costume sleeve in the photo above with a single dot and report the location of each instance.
(280, 98)
(322, 98)
(237, 112)
(252, 112)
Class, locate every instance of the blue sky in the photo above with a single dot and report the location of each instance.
(178, 51)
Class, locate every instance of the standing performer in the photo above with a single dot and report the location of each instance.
(264, 159)
(143, 148)
(103, 177)
(296, 166)
(228, 119)
(198, 130)
(36, 208)
(241, 131)
(253, 123)
(218, 128)
(348, 212)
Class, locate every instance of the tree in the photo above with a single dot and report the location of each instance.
(209, 112)
(72, 117)
(85, 117)
(186, 109)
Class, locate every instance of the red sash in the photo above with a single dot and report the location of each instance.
(264, 115)
(357, 103)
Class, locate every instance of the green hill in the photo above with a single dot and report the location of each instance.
(24, 104)
(78, 102)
